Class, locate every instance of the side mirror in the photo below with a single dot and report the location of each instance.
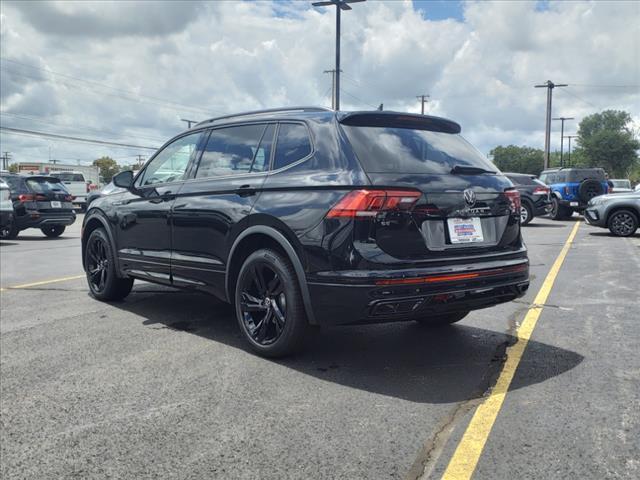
(124, 179)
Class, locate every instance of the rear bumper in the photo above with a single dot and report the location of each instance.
(34, 219)
(576, 205)
(371, 297)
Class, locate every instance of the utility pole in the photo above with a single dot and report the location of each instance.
(562, 120)
(333, 87)
(5, 160)
(549, 85)
(53, 160)
(189, 122)
(569, 153)
(340, 5)
(141, 159)
(423, 100)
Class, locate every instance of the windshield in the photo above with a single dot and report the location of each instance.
(69, 177)
(403, 150)
(46, 185)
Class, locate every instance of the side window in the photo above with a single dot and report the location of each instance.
(543, 178)
(230, 151)
(561, 177)
(170, 164)
(293, 144)
(263, 154)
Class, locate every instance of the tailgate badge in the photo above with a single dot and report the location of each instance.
(469, 197)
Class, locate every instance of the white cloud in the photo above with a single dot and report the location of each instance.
(166, 61)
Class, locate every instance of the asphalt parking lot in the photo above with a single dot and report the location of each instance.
(161, 385)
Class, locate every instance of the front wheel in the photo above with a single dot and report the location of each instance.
(558, 212)
(623, 223)
(269, 304)
(53, 231)
(100, 268)
(440, 320)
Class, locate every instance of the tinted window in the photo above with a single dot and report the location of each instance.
(170, 164)
(403, 150)
(579, 174)
(16, 184)
(45, 185)
(293, 144)
(230, 151)
(521, 179)
(69, 177)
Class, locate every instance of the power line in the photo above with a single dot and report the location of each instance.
(73, 139)
(359, 99)
(580, 98)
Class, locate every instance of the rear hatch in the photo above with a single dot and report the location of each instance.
(465, 207)
(48, 194)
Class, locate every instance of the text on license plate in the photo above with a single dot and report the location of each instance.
(56, 205)
(465, 230)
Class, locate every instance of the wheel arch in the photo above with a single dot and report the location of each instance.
(260, 236)
(617, 208)
(93, 222)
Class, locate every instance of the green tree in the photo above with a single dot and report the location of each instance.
(518, 159)
(108, 168)
(13, 168)
(606, 140)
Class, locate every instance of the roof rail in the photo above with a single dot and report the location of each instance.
(267, 111)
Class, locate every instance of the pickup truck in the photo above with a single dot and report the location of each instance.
(77, 186)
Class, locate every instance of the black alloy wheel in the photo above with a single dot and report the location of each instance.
(269, 304)
(100, 269)
(623, 223)
(558, 211)
(9, 232)
(53, 231)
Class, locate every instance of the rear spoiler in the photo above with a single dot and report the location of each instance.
(399, 120)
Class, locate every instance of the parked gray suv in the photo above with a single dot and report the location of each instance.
(619, 212)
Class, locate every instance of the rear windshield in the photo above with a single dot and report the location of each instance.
(45, 185)
(15, 183)
(522, 179)
(579, 174)
(69, 177)
(404, 150)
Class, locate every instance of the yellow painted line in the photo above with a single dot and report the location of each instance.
(465, 458)
(44, 282)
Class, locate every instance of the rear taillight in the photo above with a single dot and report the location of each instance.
(368, 203)
(514, 200)
(26, 197)
(541, 191)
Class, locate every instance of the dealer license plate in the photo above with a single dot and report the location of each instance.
(56, 205)
(465, 230)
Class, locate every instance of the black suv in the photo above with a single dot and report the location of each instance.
(39, 201)
(308, 216)
(535, 196)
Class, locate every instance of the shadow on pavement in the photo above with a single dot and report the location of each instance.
(401, 360)
(543, 225)
(607, 233)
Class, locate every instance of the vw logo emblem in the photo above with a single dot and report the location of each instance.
(469, 197)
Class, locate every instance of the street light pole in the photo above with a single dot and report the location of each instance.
(569, 152)
(549, 85)
(562, 119)
(340, 5)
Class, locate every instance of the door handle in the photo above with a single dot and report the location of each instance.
(245, 191)
(165, 197)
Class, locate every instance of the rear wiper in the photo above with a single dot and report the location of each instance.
(467, 170)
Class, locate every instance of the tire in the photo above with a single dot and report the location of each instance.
(559, 212)
(441, 320)
(53, 231)
(589, 189)
(623, 223)
(10, 232)
(100, 268)
(269, 306)
(526, 213)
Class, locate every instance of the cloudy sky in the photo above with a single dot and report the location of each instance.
(128, 72)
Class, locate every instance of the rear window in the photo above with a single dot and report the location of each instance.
(69, 177)
(580, 174)
(621, 183)
(16, 184)
(404, 150)
(45, 185)
(522, 180)
(293, 144)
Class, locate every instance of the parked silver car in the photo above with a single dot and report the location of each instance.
(619, 212)
(6, 206)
